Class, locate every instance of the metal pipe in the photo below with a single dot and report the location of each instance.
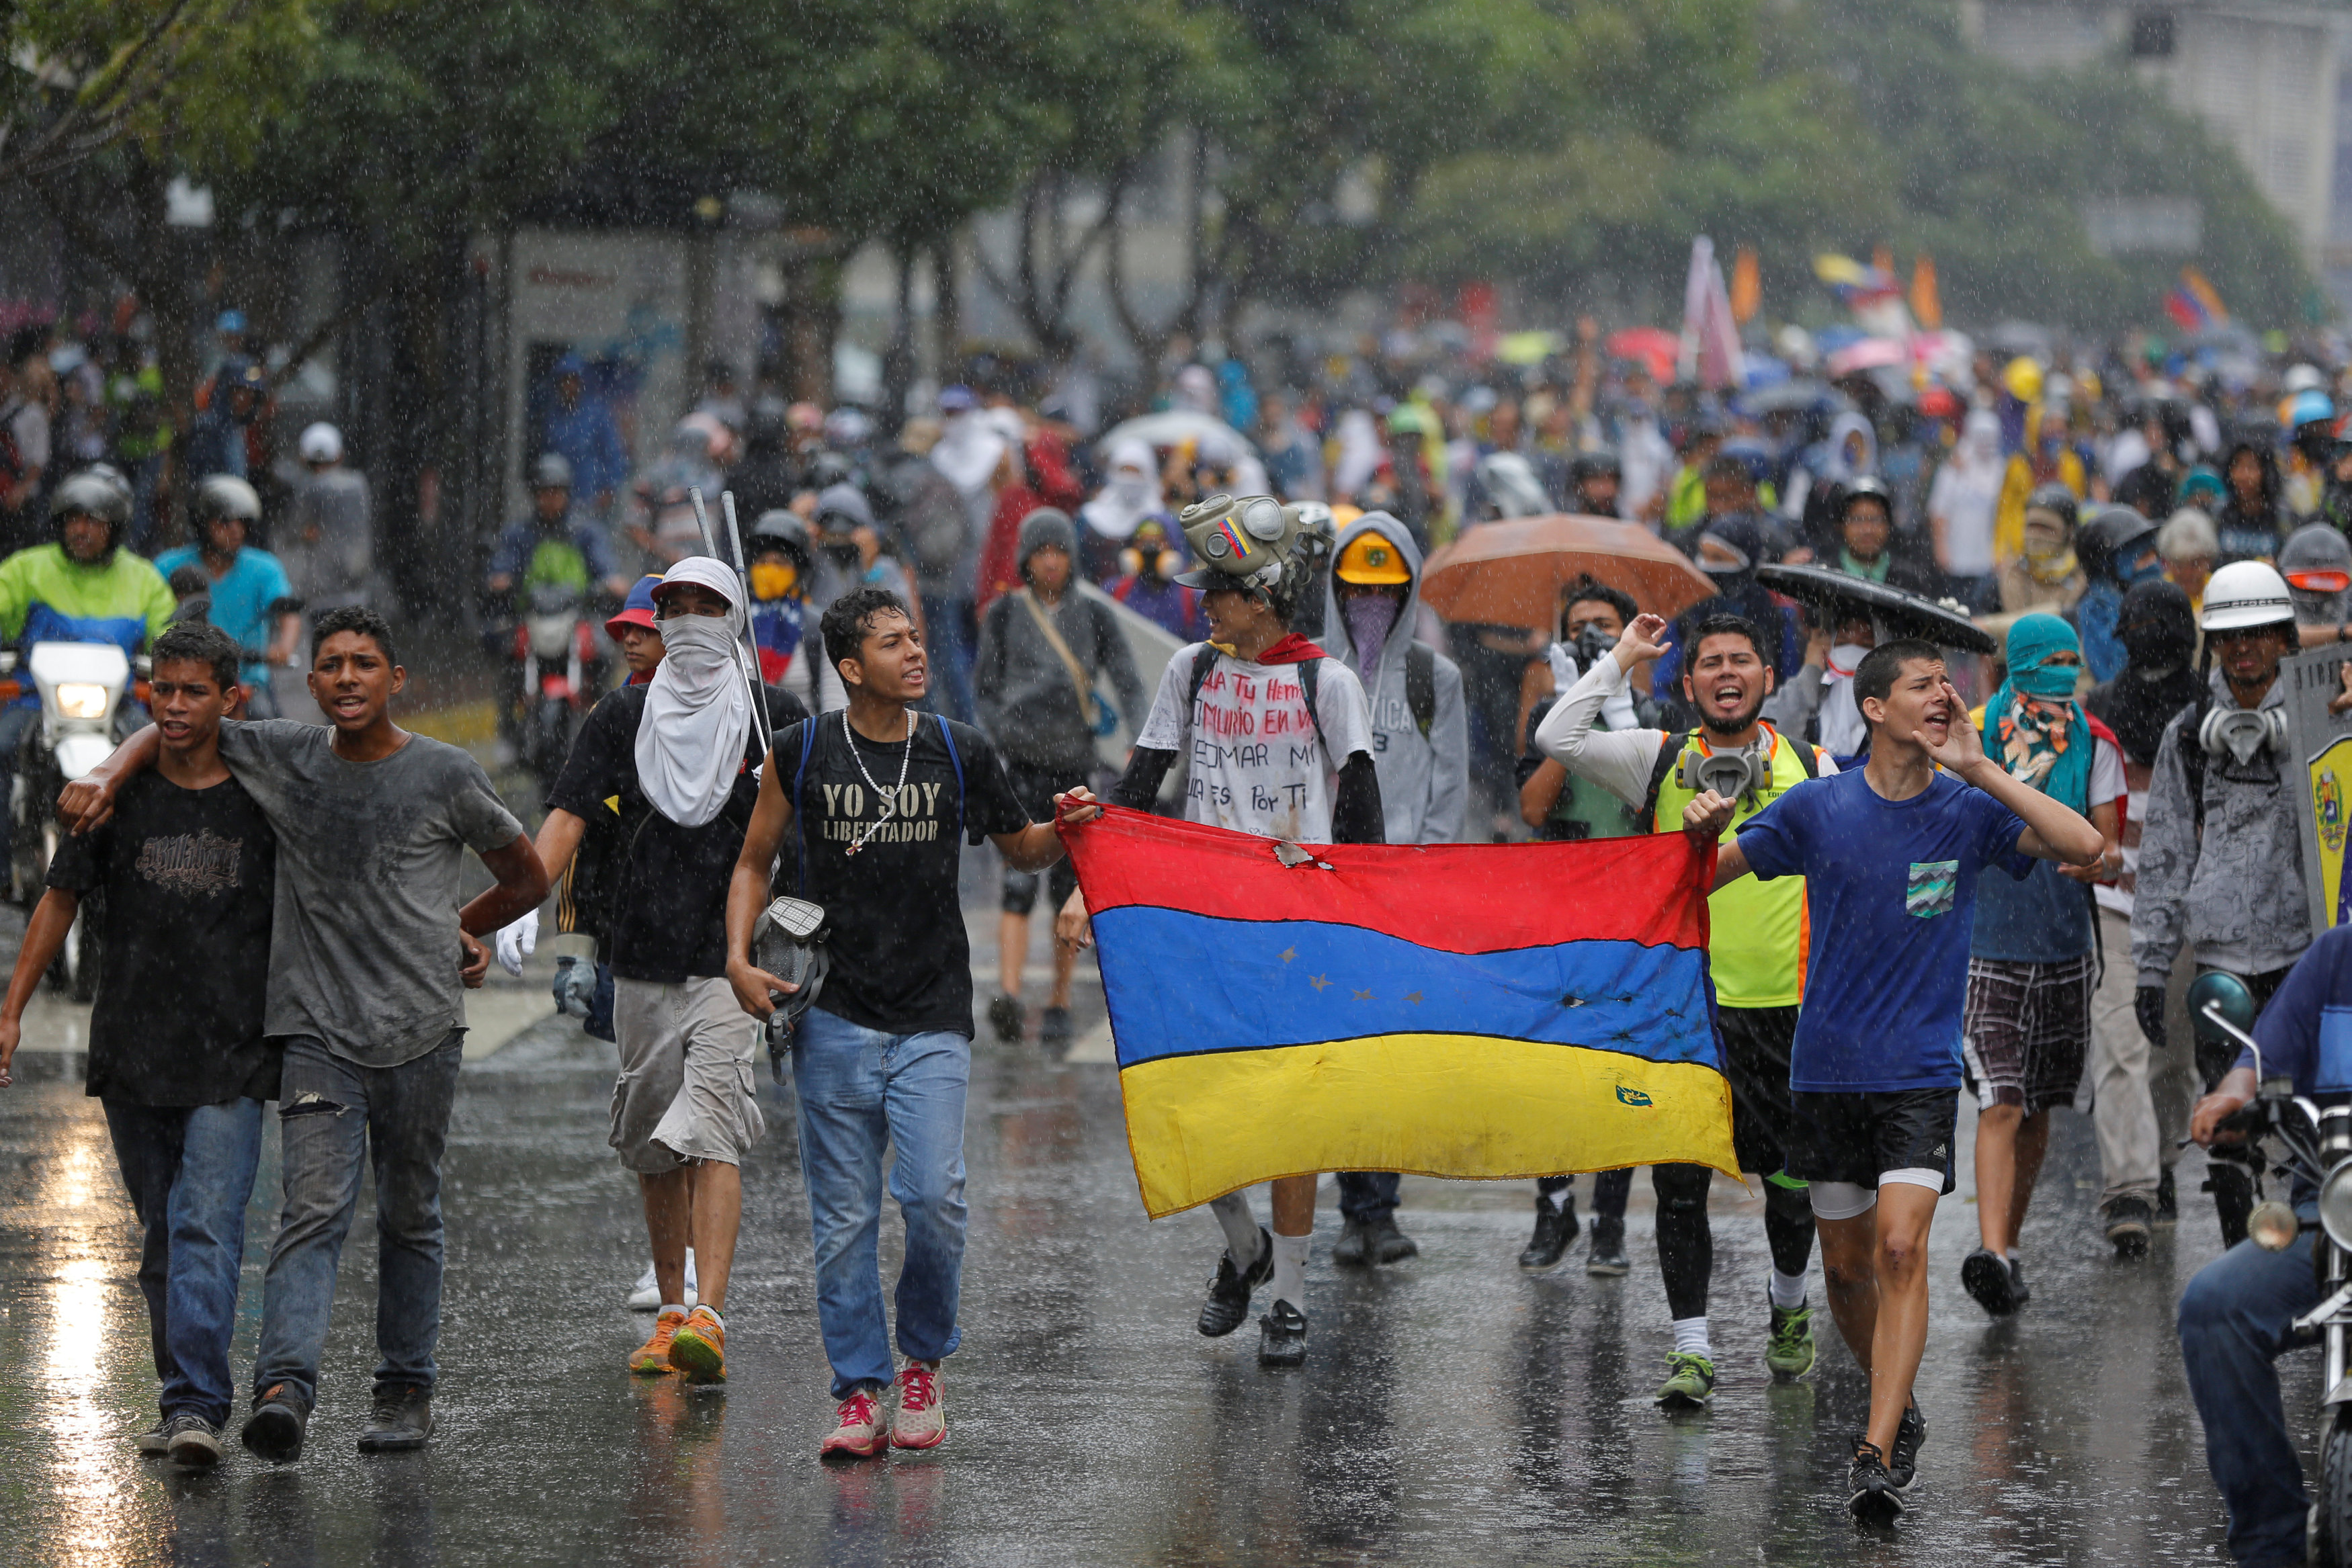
(751, 646)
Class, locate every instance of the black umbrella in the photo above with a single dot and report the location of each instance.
(1792, 396)
(1896, 612)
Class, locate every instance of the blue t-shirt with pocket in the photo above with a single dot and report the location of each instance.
(2306, 1028)
(1890, 895)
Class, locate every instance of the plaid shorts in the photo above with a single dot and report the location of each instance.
(2028, 1029)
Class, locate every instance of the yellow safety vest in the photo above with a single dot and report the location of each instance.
(1758, 933)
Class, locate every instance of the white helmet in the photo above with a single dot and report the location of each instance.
(321, 442)
(2246, 593)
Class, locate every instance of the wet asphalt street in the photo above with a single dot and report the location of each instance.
(1453, 1409)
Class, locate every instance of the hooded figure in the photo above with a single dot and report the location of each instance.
(2247, 521)
(1965, 497)
(699, 704)
(1043, 653)
(2159, 632)
(2035, 730)
(1371, 607)
(1131, 495)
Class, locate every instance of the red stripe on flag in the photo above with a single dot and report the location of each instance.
(1456, 898)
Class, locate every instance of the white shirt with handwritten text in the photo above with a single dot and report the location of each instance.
(1253, 761)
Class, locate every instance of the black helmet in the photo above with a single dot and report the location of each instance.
(2058, 499)
(783, 530)
(2109, 538)
(552, 471)
(1861, 486)
(1586, 464)
(224, 496)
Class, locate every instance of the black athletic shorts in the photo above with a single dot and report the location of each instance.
(1036, 788)
(1859, 1137)
(1755, 1045)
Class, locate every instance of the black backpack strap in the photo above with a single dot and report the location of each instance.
(800, 817)
(955, 761)
(2192, 753)
(1310, 681)
(1421, 685)
(1202, 663)
(1808, 759)
(1669, 752)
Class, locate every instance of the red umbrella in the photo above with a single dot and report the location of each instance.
(1654, 346)
(1510, 573)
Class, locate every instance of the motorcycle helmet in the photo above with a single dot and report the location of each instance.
(2316, 562)
(552, 471)
(1861, 486)
(2058, 501)
(2112, 539)
(224, 496)
(321, 442)
(93, 492)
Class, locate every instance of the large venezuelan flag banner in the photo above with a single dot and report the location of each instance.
(1455, 1010)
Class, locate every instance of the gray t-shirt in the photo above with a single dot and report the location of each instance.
(363, 941)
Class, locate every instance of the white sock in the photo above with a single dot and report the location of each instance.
(677, 1307)
(1290, 1271)
(1788, 1291)
(1239, 1226)
(1690, 1338)
(714, 1312)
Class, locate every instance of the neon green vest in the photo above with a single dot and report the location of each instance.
(1758, 932)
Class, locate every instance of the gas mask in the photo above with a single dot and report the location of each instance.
(1160, 564)
(1729, 774)
(2243, 732)
(1591, 644)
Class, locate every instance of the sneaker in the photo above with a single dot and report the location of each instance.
(2128, 1220)
(1281, 1336)
(2168, 1198)
(155, 1441)
(1903, 1464)
(1790, 1353)
(1363, 1241)
(860, 1431)
(1688, 1384)
(1229, 1293)
(1555, 1229)
(1607, 1257)
(2019, 1291)
(1986, 1277)
(1054, 1027)
(273, 1429)
(402, 1419)
(644, 1296)
(192, 1440)
(698, 1348)
(1004, 1016)
(920, 1421)
(1872, 1498)
(652, 1358)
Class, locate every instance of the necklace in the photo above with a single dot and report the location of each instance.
(889, 798)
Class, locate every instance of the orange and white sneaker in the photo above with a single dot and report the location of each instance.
(698, 1347)
(652, 1357)
(860, 1431)
(920, 1421)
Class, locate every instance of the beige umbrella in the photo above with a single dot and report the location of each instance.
(1510, 573)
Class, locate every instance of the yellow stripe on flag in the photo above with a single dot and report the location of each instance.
(1467, 1106)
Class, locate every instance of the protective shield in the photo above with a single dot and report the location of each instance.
(2319, 747)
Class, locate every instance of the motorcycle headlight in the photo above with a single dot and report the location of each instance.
(81, 699)
(2335, 1205)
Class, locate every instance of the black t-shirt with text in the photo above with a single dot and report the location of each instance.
(901, 962)
(187, 879)
(667, 917)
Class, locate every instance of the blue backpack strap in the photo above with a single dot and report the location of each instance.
(800, 817)
(955, 761)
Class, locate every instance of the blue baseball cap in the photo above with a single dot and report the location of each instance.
(637, 610)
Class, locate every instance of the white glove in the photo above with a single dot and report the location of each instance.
(518, 942)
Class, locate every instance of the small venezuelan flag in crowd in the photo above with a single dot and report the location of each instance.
(1452, 1010)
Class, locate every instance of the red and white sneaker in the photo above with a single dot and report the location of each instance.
(861, 1431)
(921, 1421)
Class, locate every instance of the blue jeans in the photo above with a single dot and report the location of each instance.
(2233, 1325)
(189, 1170)
(339, 1119)
(951, 631)
(857, 1089)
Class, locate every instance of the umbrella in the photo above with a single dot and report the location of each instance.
(1869, 354)
(1173, 427)
(1510, 573)
(1789, 396)
(1898, 614)
(1654, 347)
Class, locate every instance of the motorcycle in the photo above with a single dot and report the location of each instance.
(555, 651)
(82, 687)
(2292, 1136)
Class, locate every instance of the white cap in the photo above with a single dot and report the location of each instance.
(321, 442)
(2245, 593)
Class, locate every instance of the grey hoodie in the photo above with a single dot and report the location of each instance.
(2236, 898)
(1424, 780)
(1027, 702)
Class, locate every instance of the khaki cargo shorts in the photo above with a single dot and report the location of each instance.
(688, 1089)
